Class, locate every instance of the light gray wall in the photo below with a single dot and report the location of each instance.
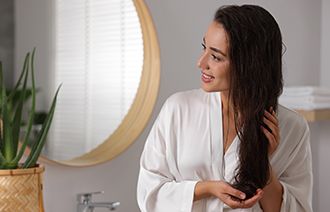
(34, 29)
(7, 40)
(180, 26)
(320, 151)
(321, 144)
(325, 47)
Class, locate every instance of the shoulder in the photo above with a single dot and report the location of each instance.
(289, 116)
(188, 98)
(185, 105)
(290, 122)
(182, 107)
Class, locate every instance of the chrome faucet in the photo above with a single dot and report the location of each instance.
(85, 203)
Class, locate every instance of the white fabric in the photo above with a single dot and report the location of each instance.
(185, 146)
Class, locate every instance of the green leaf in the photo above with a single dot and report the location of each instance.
(16, 95)
(18, 115)
(1, 82)
(13, 101)
(31, 117)
(7, 149)
(38, 145)
(2, 159)
(1, 140)
(6, 152)
(25, 67)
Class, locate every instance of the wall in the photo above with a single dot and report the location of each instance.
(325, 47)
(7, 40)
(320, 143)
(180, 28)
(33, 28)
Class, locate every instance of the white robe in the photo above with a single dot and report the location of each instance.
(185, 145)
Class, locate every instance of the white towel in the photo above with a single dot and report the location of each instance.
(305, 91)
(302, 106)
(305, 97)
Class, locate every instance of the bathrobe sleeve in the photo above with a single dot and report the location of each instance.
(297, 178)
(157, 189)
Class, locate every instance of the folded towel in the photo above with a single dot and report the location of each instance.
(302, 106)
(305, 99)
(305, 90)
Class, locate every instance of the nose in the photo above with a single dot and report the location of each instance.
(202, 62)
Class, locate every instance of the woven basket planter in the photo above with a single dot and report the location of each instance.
(21, 190)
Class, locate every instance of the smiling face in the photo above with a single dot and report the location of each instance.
(214, 61)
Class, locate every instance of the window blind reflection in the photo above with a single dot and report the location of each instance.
(99, 59)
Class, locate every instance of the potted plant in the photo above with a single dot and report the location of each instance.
(21, 181)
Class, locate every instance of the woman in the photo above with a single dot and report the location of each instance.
(229, 146)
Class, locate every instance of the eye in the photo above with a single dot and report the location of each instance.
(215, 58)
(203, 46)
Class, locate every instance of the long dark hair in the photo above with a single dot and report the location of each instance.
(255, 52)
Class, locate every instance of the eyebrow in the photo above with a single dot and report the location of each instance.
(215, 49)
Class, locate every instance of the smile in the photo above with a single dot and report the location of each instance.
(207, 78)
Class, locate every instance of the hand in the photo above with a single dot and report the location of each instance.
(234, 198)
(226, 193)
(273, 135)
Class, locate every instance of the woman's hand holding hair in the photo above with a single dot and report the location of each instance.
(235, 198)
(226, 193)
(273, 135)
(273, 191)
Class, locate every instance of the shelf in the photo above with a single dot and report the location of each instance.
(315, 115)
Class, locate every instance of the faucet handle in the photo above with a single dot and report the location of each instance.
(114, 205)
(87, 197)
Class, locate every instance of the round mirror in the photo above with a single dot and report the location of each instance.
(106, 56)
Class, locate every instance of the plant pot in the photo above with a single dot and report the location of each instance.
(21, 190)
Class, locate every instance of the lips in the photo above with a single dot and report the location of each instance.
(206, 78)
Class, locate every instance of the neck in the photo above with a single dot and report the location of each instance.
(227, 107)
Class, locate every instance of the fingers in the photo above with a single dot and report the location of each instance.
(233, 197)
(271, 121)
(228, 194)
(253, 200)
(270, 136)
(233, 203)
(269, 124)
(244, 204)
(271, 116)
(273, 134)
(233, 192)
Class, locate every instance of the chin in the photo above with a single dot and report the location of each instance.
(209, 89)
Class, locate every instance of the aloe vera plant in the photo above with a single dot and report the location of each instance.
(11, 152)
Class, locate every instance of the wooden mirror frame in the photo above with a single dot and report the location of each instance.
(140, 112)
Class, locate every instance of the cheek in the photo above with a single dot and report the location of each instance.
(222, 71)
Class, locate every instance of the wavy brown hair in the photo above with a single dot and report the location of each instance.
(255, 52)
